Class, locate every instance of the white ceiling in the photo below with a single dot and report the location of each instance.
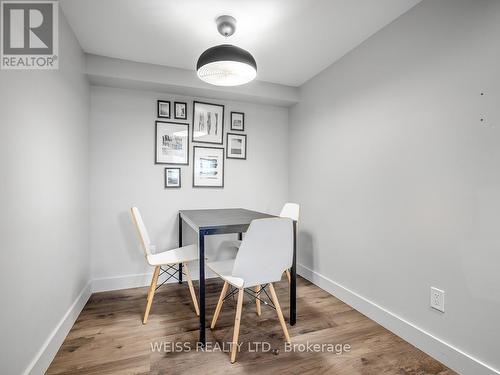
(292, 40)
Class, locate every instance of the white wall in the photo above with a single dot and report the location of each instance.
(44, 257)
(399, 180)
(123, 174)
(111, 72)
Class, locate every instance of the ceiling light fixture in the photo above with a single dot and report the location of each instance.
(226, 65)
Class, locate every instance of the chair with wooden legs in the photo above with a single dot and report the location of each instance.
(265, 252)
(164, 262)
(289, 210)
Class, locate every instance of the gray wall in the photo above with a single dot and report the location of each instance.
(44, 228)
(123, 174)
(399, 180)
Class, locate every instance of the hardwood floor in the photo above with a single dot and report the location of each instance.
(109, 337)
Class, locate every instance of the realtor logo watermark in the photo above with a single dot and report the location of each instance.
(29, 35)
(253, 346)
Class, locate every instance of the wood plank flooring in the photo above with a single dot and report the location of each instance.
(109, 337)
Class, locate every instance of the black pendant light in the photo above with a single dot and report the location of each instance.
(226, 65)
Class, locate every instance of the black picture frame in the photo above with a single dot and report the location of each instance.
(194, 167)
(227, 146)
(185, 111)
(156, 142)
(158, 104)
(166, 178)
(194, 119)
(242, 119)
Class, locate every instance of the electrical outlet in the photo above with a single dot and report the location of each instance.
(437, 299)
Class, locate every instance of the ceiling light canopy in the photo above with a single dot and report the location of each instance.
(226, 65)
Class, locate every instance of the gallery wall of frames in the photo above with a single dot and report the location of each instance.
(210, 126)
(123, 172)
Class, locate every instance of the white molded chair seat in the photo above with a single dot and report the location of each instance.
(231, 243)
(265, 253)
(223, 269)
(175, 256)
(289, 210)
(225, 250)
(181, 255)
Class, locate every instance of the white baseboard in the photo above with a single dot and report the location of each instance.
(452, 357)
(435, 347)
(106, 284)
(48, 351)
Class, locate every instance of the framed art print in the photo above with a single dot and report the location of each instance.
(180, 111)
(171, 143)
(163, 109)
(236, 146)
(238, 121)
(172, 178)
(208, 166)
(208, 123)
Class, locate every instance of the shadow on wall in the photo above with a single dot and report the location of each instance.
(130, 237)
(305, 253)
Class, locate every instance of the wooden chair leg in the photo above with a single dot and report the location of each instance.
(191, 289)
(278, 311)
(237, 319)
(288, 276)
(257, 300)
(151, 293)
(219, 305)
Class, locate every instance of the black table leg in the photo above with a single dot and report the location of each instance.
(180, 245)
(240, 236)
(201, 300)
(293, 281)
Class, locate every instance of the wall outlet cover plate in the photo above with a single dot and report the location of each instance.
(437, 299)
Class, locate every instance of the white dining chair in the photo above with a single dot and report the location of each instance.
(160, 260)
(265, 252)
(289, 210)
(292, 211)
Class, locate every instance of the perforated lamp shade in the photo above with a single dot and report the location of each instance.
(226, 65)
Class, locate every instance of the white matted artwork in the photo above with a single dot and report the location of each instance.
(172, 178)
(208, 166)
(238, 121)
(236, 146)
(208, 123)
(163, 107)
(180, 110)
(171, 143)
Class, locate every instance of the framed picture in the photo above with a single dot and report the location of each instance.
(171, 143)
(163, 109)
(172, 178)
(238, 121)
(208, 166)
(180, 111)
(208, 123)
(236, 146)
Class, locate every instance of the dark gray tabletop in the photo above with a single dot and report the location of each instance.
(220, 218)
(226, 221)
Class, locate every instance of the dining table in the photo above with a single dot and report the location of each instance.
(209, 222)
